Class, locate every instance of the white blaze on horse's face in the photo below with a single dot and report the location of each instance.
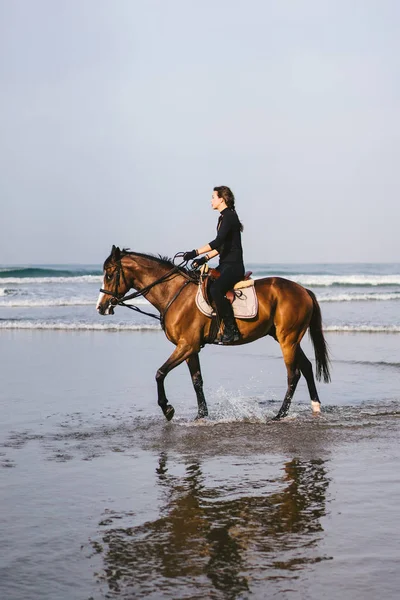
(103, 299)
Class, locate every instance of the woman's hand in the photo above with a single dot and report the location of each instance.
(199, 262)
(190, 255)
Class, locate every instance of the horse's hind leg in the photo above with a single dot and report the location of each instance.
(306, 369)
(293, 375)
(195, 372)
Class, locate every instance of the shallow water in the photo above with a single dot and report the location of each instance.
(102, 498)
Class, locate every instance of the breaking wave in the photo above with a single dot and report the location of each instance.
(363, 328)
(82, 326)
(359, 297)
(346, 280)
(57, 326)
(43, 302)
(57, 279)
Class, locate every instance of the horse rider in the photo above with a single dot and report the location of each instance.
(228, 244)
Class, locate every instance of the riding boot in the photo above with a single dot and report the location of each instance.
(231, 332)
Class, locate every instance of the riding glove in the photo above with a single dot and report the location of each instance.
(200, 261)
(190, 255)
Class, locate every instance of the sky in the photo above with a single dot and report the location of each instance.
(118, 117)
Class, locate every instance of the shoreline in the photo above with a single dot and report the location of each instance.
(20, 325)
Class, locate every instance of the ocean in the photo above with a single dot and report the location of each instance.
(354, 297)
(102, 498)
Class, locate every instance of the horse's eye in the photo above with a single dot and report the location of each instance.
(109, 276)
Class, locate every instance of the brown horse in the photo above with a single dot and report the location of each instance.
(285, 311)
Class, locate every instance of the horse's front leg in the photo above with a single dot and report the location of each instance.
(181, 353)
(197, 380)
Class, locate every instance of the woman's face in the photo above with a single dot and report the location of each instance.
(215, 200)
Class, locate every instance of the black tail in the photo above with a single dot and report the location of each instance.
(319, 343)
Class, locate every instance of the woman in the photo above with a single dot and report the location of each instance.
(228, 244)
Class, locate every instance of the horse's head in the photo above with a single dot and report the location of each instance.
(114, 282)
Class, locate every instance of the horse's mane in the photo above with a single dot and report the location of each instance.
(162, 260)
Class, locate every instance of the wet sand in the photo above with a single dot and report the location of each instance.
(102, 498)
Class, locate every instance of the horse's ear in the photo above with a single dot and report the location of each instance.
(115, 252)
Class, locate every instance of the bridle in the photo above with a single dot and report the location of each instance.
(116, 299)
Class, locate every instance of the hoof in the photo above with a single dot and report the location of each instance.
(201, 416)
(169, 412)
(279, 417)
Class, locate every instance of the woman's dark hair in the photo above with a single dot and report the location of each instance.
(227, 195)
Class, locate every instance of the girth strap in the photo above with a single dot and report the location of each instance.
(162, 318)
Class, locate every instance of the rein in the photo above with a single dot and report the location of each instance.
(122, 301)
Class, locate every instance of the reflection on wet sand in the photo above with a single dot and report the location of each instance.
(210, 542)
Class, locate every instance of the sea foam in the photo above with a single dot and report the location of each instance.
(363, 328)
(359, 297)
(68, 326)
(346, 280)
(53, 280)
(45, 302)
(57, 326)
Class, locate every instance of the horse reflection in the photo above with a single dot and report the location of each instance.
(206, 541)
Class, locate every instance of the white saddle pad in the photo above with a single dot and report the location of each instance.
(245, 305)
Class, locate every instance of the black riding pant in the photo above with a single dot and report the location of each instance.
(231, 273)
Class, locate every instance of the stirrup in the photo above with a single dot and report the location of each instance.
(230, 334)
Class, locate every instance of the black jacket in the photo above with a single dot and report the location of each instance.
(229, 239)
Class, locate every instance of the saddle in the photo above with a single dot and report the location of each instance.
(209, 275)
